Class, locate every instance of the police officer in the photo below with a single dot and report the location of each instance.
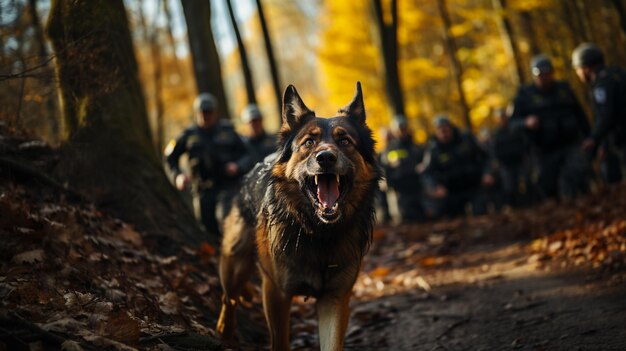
(551, 116)
(509, 150)
(455, 171)
(217, 157)
(400, 159)
(608, 100)
(261, 143)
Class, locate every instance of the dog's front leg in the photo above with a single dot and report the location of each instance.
(276, 307)
(333, 313)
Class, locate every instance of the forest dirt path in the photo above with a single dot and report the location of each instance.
(491, 297)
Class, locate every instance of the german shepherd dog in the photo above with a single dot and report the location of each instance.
(305, 215)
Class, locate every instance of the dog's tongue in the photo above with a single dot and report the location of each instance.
(327, 190)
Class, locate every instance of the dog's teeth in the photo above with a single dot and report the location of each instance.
(337, 175)
(316, 180)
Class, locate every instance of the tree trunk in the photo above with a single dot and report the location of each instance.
(529, 32)
(389, 46)
(271, 59)
(508, 39)
(170, 35)
(621, 13)
(572, 22)
(155, 50)
(109, 156)
(39, 39)
(243, 56)
(46, 81)
(457, 69)
(585, 14)
(206, 61)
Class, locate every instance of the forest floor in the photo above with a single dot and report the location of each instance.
(550, 277)
(489, 284)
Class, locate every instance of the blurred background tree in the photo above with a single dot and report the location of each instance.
(109, 154)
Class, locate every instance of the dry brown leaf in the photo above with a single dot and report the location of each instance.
(206, 249)
(121, 327)
(380, 272)
(169, 303)
(29, 257)
(128, 234)
(71, 345)
(63, 325)
(103, 342)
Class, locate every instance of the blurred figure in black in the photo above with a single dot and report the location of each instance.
(510, 152)
(261, 143)
(551, 116)
(218, 158)
(400, 159)
(608, 100)
(455, 171)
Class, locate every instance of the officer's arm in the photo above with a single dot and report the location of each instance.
(430, 170)
(248, 158)
(581, 117)
(173, 151)
(481, 156)
(518, 115)
(605, 100)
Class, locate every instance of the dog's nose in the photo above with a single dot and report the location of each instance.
(326, 158)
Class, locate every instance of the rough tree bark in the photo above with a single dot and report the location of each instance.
(243, 56)
(389, 46)
(206, 61)
(270, 58)
(109, 156)
(457, 68)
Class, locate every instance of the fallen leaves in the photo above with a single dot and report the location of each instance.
(78, 273)
(29, 257)
(599, 244)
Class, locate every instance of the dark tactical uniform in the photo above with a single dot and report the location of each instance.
(208, 152)
(262, 145)
(608, 97)
(459, 167)
(400, 158)
(562, 125)
(509, 149)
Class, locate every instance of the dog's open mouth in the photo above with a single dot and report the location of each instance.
(325, 190)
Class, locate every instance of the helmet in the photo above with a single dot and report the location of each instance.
(441, 120)
(205, 102)
(251, 113)
(587, 54)
(540, 64)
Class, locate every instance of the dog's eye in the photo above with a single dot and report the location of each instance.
(344, 142)
(309, 142)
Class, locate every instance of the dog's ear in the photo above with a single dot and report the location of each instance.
(295, 111)
(355, 109)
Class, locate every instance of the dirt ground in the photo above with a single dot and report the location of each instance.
(492, 297)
